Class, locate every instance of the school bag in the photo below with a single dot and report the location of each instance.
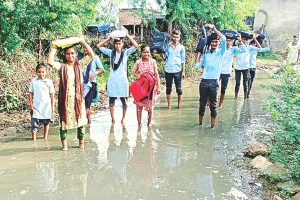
(203, 40)
(230, 34)
(143, 87)
(246, 35)
(159, 42)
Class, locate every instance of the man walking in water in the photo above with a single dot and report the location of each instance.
(175, 67)
(227, 64)
(211, 60)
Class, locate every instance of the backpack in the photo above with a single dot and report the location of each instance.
(230, 34)
(204, 41)
(159, 42)
(143, 87)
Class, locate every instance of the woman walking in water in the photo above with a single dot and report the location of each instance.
(146, 65)
(71, 106)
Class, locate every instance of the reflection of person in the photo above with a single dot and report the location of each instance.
(47, 176)
(212, 61)
(146, 65)
(227, 64)
(90, 82)
(175, 67)
(71, 92)
(117, 83)
(41, 101)
(253, 55)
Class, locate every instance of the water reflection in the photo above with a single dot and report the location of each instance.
(173, 159)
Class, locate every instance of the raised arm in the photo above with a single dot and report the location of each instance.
(89, 50)
(266, 42)
(213, 28)
(256, 42)
(133, 42)
(100, 44)
(51, 61)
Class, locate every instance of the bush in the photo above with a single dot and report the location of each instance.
(285, 111)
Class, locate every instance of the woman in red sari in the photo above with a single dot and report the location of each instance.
(146, 65)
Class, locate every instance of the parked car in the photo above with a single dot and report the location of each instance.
(103, 30)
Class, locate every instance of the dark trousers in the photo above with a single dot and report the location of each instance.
(112, 101)
(169, 82)
(252, 76)
(208, 88)
(246, 76)
(90, 95)
(224, 78)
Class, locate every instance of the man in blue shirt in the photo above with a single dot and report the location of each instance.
(211, 60)
(175, 67)
(242, 66)
(227, 64)
(253, 56)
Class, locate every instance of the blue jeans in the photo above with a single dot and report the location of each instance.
(224, 82)
(169, 82)
(208, 88)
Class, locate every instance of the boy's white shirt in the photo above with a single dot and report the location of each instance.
(41, 90)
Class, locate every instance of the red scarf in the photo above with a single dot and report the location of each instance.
(63, 93)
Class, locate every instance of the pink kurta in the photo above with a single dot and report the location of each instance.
(141, 67)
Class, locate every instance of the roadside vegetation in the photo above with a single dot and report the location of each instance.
(284, 107)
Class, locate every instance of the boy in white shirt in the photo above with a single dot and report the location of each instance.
(41, 101)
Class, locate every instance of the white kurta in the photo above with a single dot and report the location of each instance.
(117, 83)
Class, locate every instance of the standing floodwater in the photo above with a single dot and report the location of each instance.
(173, 159)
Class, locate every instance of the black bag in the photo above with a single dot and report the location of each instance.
(230, 34)
(246, 35)
(204, 40)
(159, 42)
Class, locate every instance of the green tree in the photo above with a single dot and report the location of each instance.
(26, 22)
(224, 13)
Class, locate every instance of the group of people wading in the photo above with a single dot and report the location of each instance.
(78, 87)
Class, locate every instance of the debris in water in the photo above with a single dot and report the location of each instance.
(156, 186)
(237, 194)
(181, 191)
(215, 172)
(23, 191)
(258, 184)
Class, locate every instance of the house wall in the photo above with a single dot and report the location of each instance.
(283, 18)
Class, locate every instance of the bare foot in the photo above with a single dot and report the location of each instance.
(65, 148)
(81, 146)
(113, 121)
(122, 121)
(169, 106)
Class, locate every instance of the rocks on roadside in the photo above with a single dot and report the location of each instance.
(295, 189)
(296, 197)
(255, 148)
(275, 197)
(276, 168)
(261, 162)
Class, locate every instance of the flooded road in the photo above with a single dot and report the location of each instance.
(173, 159)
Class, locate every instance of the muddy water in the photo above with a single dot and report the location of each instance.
(173, 159)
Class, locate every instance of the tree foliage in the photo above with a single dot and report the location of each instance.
(224, 13)
(25, 22)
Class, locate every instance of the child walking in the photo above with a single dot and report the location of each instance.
(41, 101)
(117, 83)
